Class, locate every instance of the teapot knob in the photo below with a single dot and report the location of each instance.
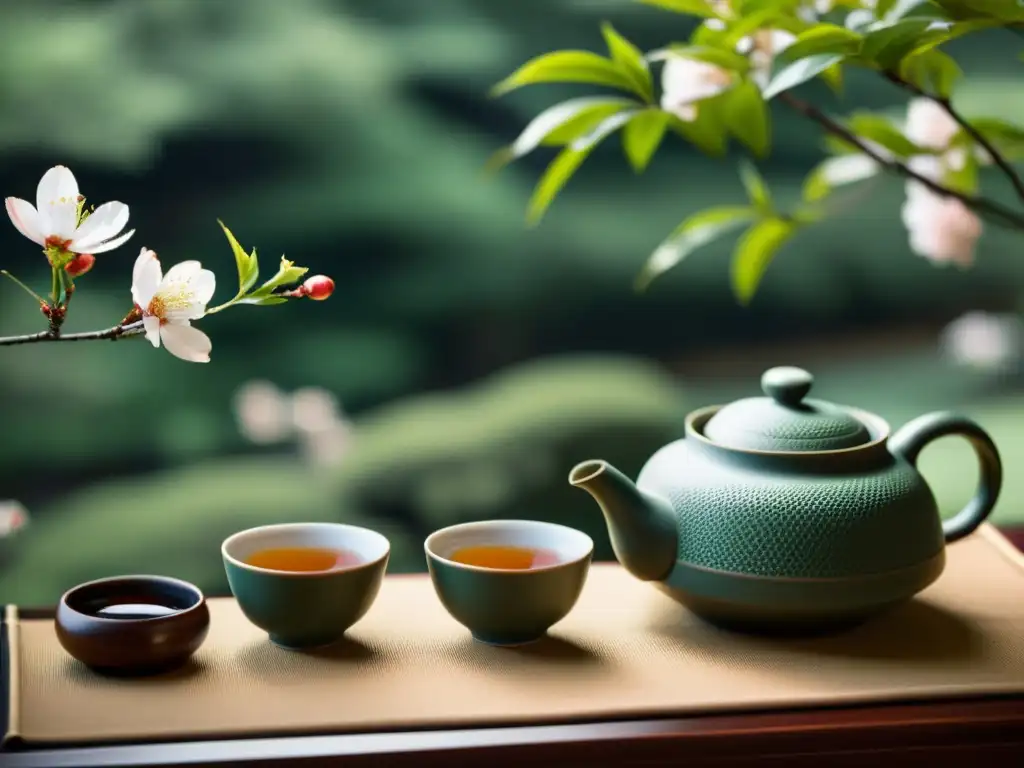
(787, 385)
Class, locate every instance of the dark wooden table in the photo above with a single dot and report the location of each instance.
(926, 734)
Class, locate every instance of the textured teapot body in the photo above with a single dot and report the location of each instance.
(797, 516)
(786, 512)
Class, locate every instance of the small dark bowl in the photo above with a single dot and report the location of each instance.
(133, 625)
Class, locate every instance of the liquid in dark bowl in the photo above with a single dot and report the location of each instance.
(133, 625)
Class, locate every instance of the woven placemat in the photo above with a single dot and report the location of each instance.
(625, 651)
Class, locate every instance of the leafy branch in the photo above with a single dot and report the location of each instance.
(276, 290)
(993, 209)
(716, 88)
(1001, 162)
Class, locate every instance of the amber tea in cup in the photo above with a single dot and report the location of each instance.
(305, 584)
(508, 581)
(303, 559)
(505, 558)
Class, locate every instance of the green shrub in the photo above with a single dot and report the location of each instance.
(501, 448)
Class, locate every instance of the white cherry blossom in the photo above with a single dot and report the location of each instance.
(13, 517)
(941, 229)
(169, 303)
(684, 82)
(986, 341)
(929, 125)
(263, 412)
(761, 48)
(54, 221)
(812, 9)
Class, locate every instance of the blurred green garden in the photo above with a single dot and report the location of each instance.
(475, 360)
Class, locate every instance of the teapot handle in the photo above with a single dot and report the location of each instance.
(912, 437)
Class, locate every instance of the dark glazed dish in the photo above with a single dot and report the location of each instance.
(133, 625)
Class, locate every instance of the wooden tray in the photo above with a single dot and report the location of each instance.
(625, 652)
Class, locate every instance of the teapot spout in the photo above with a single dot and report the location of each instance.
(642, 527)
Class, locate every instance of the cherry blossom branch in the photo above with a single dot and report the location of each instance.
(1004, 215)
(971, 131)
(108, 334)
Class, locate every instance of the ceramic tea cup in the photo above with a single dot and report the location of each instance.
(132, 625)
(483, 574)
(274, 574)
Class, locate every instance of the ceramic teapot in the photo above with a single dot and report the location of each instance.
(788, 513)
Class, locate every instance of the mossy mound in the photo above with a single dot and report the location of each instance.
(499, 449)
(503, 448)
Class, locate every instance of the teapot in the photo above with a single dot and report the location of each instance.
(788, 514)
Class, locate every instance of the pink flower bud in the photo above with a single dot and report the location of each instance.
(81, 264)
(318, 287)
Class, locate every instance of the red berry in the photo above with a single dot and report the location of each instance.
(318, 287)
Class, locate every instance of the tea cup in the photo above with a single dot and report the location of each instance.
(502, 605)
(302, 608)
(132, 625)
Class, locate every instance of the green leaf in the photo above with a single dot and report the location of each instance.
(642, 135)
(588, 120)
(747, 7)
(247, 263)
(720, 57)
(799, 72)
(695, 231)
(933, 38)
(287, 274)
(711, 37)
(630, 60)
(692, 7)
(554, 179)
(836, 171)
(560, 124)
(921, 8)
(747, 117)
(262, 301)
(757, 190)
(932, 71)
(751, 18)
(566, 163)
(965, 178)
(882, 8)
(833, 78)
(887, 45)
(708, 130)
(606, 127)
(1008, 139)
(1005, 10)
(567, 67)
(754, 253)
(836, 145)
(823, 38)
(816, 186)
(881, 131)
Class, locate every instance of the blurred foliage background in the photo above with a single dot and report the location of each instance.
(474, 360)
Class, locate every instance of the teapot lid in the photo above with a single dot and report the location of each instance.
(786, 420)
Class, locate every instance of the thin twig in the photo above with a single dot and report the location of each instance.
(971, 131)
(108, 334)
(24, 287)
(980, 204)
